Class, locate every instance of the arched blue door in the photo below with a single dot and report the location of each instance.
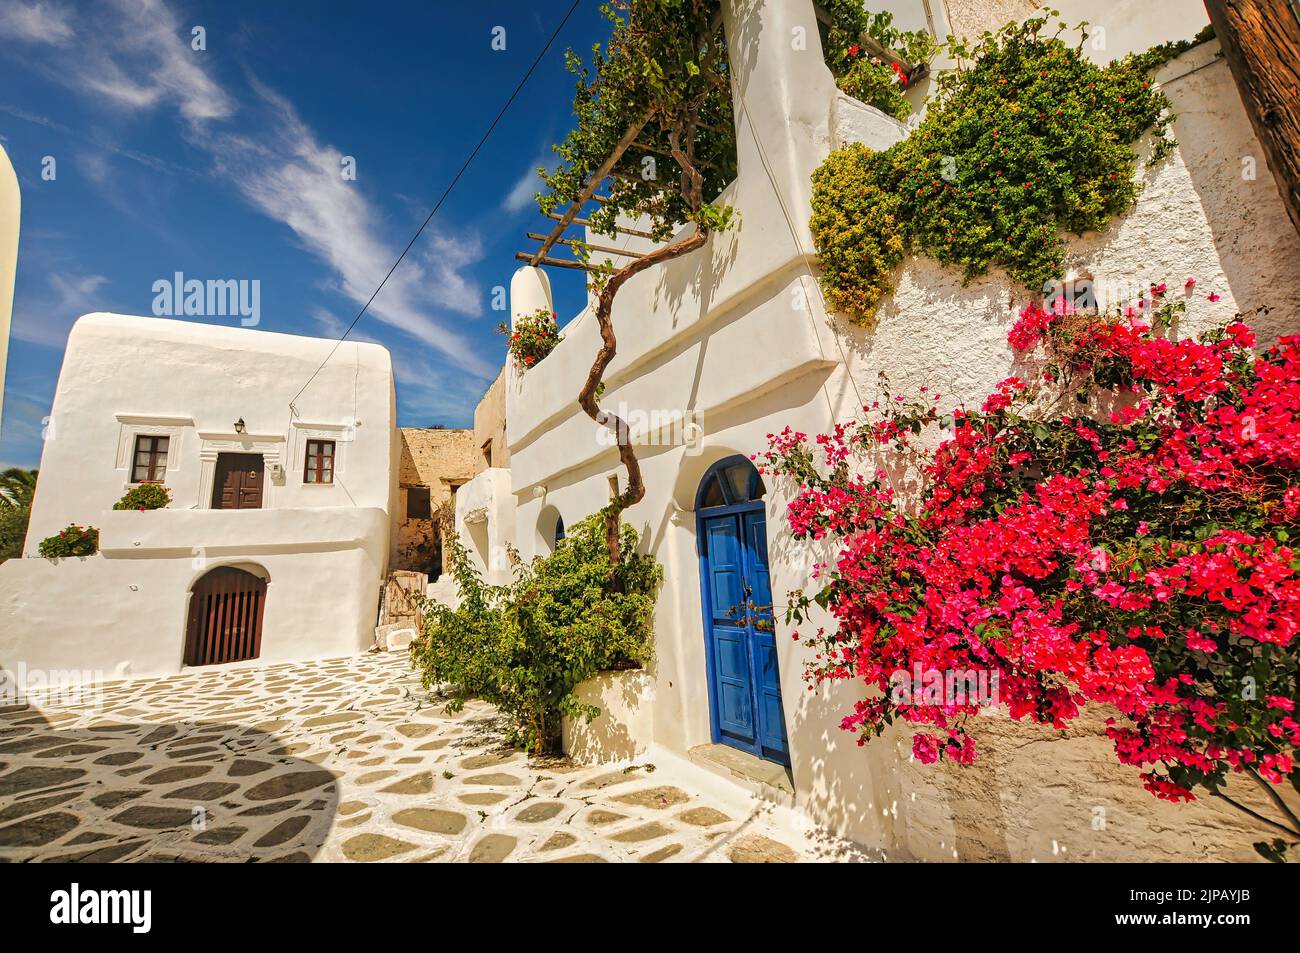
(744, 683)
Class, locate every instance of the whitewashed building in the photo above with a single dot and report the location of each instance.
(276, 541)
(735, 338)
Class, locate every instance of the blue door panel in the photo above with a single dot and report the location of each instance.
(732, 654)
(745, 689)
(726, 584)
(734, 716)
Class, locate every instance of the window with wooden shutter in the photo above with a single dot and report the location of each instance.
(417, 503)
(149, 465)
(320, 462)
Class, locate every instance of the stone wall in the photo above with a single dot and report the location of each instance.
(490, 425)
(970, 18)
(439, 460)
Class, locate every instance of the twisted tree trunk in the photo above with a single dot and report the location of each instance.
(692, 185)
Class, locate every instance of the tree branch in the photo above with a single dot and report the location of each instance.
(1256, 815)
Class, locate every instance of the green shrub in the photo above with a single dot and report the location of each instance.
(144, 496)
(17, 487)
(856, 70)
(72, 541)
(13, 530)
(1029, 141)
(525, 647)
(855, 223)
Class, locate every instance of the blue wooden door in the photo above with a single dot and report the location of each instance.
(745, 688)
(732, 688)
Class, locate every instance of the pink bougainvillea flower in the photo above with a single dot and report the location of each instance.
(1075, 556)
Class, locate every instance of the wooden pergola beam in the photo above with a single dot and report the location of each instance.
(554, 262)
(589, 194)
(1261, 42)
(586, 224)
(575, 243)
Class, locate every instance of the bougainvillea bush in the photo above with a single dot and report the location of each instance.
(532, 338)
(1120, 529)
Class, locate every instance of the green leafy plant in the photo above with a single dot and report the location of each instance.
(655, 131)
(532, 338)
(144, 496)
(17, 487)
(1027, 141)
(74, 540)
(856, 43)
(526, 646)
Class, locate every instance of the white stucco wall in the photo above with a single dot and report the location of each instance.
(485, 523)
(323, 547)
(736, 334)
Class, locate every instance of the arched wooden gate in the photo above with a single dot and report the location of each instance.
(225, 622)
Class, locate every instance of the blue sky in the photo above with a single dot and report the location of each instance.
(226, 163)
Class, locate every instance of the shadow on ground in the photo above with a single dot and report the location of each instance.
(174, 791)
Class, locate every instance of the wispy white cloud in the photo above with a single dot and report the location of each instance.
(135, 55)
(22, 438)
(294, 178)
(46, 316)
(428, 393)
(526, 186)
(36, 22)
(142, 60)
(148, 60)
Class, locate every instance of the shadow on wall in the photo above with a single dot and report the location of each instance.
(872, 791)
(186, 790)
(1253, 238)
(624, 728)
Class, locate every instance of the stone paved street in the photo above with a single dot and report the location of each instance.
(346, 759)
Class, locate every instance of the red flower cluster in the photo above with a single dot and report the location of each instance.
(532, 338)
(1143, 559)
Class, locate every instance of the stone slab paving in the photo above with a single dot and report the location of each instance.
(344, 760)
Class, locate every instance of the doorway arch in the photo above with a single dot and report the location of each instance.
(745, 708)
(225, 617)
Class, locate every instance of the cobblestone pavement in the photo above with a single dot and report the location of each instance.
(346, 759)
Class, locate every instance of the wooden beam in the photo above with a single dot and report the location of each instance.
(1261, 42)
(576, 243)
(586, 224)
(554, 262)
(589, 189)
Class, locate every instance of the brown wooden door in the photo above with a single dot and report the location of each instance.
(225, 620)
(238, 483)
